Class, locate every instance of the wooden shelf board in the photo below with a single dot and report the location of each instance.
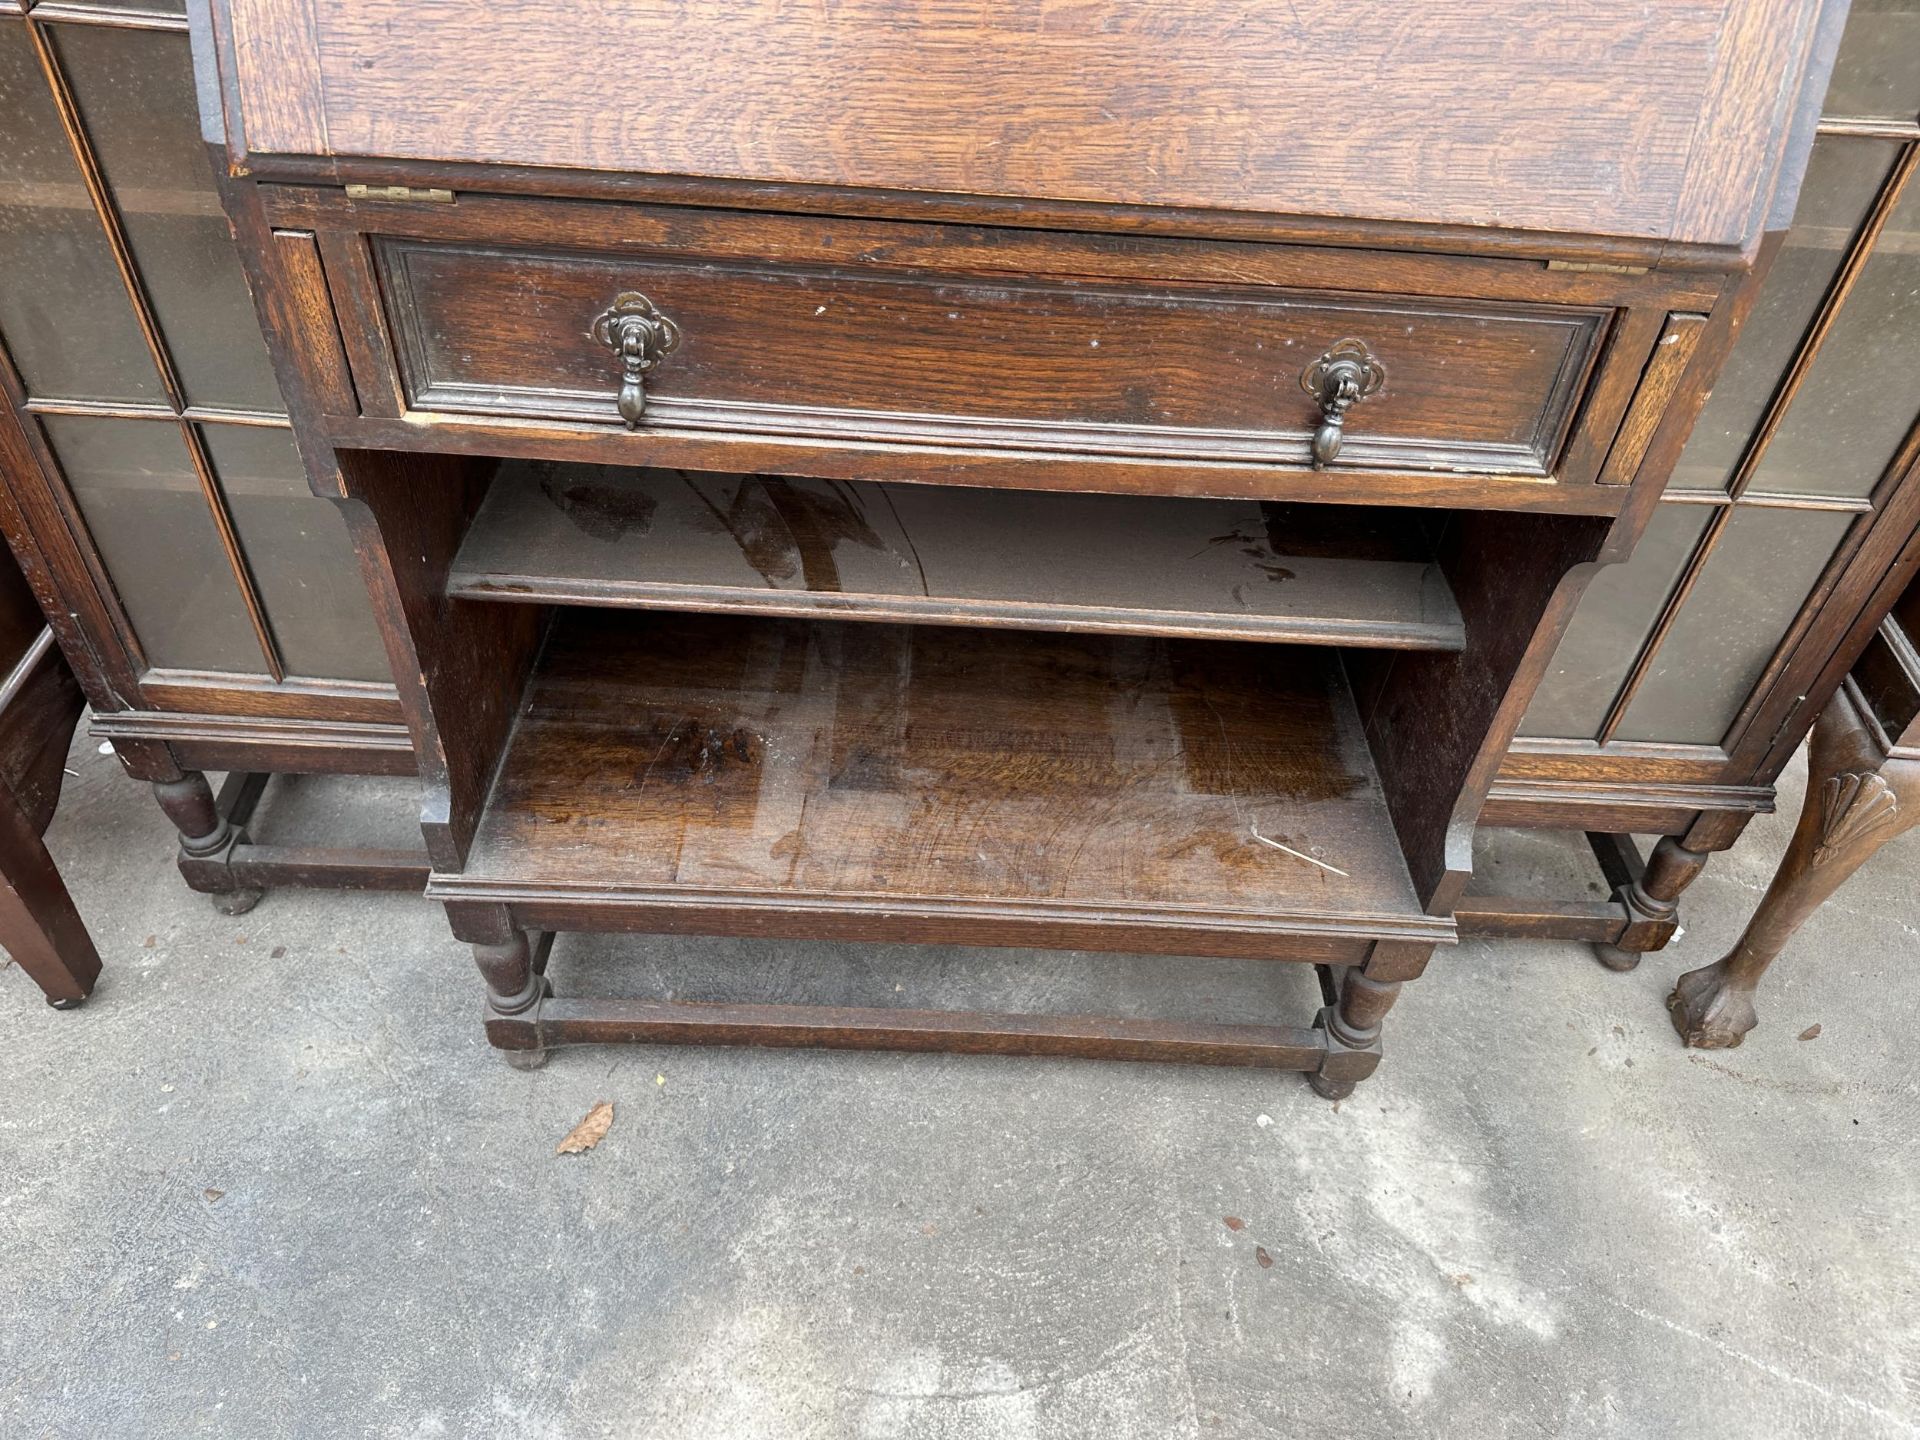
(695, 540)
(745, 775)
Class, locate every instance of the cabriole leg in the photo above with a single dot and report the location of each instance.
(1857, 800)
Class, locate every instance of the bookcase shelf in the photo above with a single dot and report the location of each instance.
(767, 776)
(694, 540)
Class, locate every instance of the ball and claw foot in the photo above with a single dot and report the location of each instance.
(238, 902)
(59, 1003)
(1330, 1089)
(1709, 1012)
(1614, 958)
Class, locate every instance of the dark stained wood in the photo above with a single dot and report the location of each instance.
(691, 540)
(854, 457)
(323, 867)
(1438, 724)
(972, 262)
(458, 666)
(1588, 118)
(1010, 245)
(1052, 785)
(284, 745)
(1515, 917)
(680, 1022)
(1678, 341)
(1863, 789)
(1002, 362)
(40, 928)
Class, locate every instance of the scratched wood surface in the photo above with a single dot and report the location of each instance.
(785, 761)
(1647, 120)
(1147, 369)
(700, 540)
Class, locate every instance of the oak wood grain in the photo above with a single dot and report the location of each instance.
(1165, 789)
(1661, 120)
(1146, 370)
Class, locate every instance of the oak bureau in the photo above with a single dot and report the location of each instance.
(1058, 473)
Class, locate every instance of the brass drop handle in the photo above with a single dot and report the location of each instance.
(1339, 380)
(639, 334)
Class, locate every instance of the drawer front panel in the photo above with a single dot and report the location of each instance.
(1090, 368)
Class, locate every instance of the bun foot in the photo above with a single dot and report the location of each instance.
(238, 902)
(65, 1004)
(1614, 958)
(526, 1059)
(1709, 1011)
(1328, 1089)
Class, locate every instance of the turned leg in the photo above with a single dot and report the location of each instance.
(1362, 996)
(205, 836)
(1651, 897)
(515, 972)
(1857, 800)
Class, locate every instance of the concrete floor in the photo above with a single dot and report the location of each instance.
(270, 1182)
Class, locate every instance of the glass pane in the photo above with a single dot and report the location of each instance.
(1862, 394)
(166, 7)
(1843, 178)
(149, 519)
(135, 92)
(1752, 586)
(1615, 615)
(301, 560)
(1878, 70)
(64, 314)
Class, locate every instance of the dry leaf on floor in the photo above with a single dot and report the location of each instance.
(1812, 1032)
(589, 1132)
(1234, 1222)
(1260, 1254)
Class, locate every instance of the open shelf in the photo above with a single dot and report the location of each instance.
(696, 540)
(766, 776)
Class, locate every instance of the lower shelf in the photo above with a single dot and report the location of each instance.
(747, 776)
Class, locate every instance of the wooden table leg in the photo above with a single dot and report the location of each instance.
(38, 924)
(1857, 800)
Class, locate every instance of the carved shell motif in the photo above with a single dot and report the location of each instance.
(1852, 806)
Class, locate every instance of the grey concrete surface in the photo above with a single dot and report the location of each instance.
(270, 1182)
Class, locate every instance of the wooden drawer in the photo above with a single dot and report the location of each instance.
(1097, 368)
(845, 348)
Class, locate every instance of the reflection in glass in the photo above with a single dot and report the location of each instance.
(1843, 178)
(64, 314)
(135, 92)
(1878, 71)
(144, 506)
(1751, 587)
(1615, 615)
(1863, 392)
(300, 557)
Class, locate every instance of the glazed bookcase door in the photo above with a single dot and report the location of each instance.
(1694, 660)
(157, 452)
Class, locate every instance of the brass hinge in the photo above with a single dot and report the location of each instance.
(1596, 267)
(399, 192)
